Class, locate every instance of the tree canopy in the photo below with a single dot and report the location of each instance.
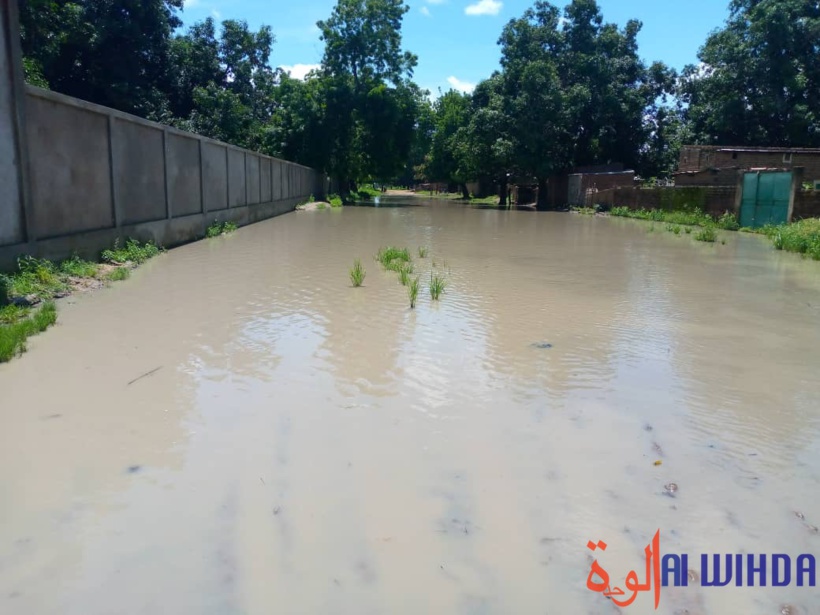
(572, 89)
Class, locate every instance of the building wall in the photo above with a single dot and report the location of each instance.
(696, 158)
(97, 175)
(582, 187)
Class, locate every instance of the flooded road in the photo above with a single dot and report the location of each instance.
(237, 430)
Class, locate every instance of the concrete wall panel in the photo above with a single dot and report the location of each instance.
(252, 178)
(184, 188)
(264, 174)
(276, 177)
(236, 178)
(214, 176)
(69, 168)
(140, 172)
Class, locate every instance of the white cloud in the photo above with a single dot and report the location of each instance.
(190, 3)
(436, 1)
(425, 11)
(461, 86)
(299, 71)
(216, 14)
(484, 7)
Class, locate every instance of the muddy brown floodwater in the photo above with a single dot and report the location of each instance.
(300, 446)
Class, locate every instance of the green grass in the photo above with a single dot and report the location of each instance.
(707, 234)
(404, 271)
(119, 274)
(335, 200)
(696, 217)
(357, 273)
(13, 335)
(674, 228)
(37, 277)
(423, 251)
(133, 252)
(220, 228)
(10, 314)
(393, 259)
(728, 222)
(586, 211)
(79, 268)
(413, 291)
(801, 237)
(437, 286)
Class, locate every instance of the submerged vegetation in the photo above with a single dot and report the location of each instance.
(696, 217)
(357, 273)
(437, 286)
(707, 234)
(801, 237)
(393, 258)
(27, 294)
(220, 228)
(413, 291)
(18, 324)
(134, 252)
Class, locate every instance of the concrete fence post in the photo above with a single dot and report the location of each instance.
(112, 170)
(169, 213)
(16, 215)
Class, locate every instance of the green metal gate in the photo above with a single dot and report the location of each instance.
(765, 199)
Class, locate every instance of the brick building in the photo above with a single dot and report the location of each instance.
(716, 165)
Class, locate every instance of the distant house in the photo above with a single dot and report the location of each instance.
(717, 165)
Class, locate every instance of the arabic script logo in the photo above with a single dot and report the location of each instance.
(632, 584)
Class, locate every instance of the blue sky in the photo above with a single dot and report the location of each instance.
(455, 40)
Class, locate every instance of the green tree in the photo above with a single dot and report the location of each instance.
(579, 90)
(758, 82)
(488, 141)
(446, 161)
(115, 53)
(365, 76)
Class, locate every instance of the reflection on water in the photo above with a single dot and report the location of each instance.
(307, 447)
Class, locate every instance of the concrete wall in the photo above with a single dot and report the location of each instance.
(97, 175)
(12, 211)
(714, 200)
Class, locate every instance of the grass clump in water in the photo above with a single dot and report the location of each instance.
(335, 200)
(802, 237)
(357, 273)
(405, 270)
(696, 217)
(437, 286)
(586, 211)
(220, 228)
(728, 222)
(413, 291)
(393, 258)
(133, 252)
(17, 327)
(707, 234)
(674, 228)
(423, 251)
(119, 274)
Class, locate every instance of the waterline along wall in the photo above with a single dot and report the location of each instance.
(95, 174)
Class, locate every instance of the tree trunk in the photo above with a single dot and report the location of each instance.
(542, 202)
(502, 191)
(465, 194)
